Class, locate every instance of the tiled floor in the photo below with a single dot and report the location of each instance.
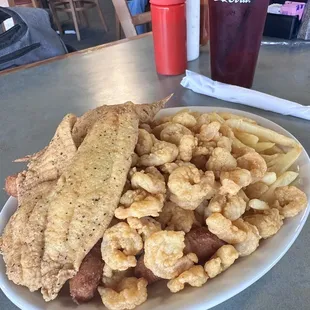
(95, 34)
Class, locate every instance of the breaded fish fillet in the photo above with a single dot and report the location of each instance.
(84, 123)
(83, 203)
(22, 239)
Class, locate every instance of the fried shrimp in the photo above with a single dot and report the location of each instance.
(232, 207)
(128, 294)
(255, 163)
(160, 121)
(120, 244)
(174, 132)
(175, 218)
(224, 143)
(209, 132)
(187, 146)
(139, 204)
(185, 118)
(131, 196)
(221, 160)
(169, 167)
(233, 181)
(164, 254)
(216, 204)
(145, 226)
(161, 153)
(229, 187)
(268, 222)
(241, 177)
(195, 276)
(204, 149)
(251, 243)
(290, 200)
(145, 143)
(150, 180)
(203, 119)
(111, 278)
(224, 229)
(159, 128)
(224, 257)
(189, 187)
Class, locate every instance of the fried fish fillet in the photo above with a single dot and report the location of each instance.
(84, 123)
(83, 202)
(22, 239)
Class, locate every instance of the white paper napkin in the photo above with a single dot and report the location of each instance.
(204, 85)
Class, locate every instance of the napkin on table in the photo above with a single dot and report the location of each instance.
(204, 85)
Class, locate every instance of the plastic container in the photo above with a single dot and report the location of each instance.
(193, 28)
(281, 26)
(169, 35)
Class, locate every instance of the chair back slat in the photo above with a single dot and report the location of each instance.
(127, 21)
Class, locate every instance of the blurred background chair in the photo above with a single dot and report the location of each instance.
(127, 22)
(77, 8)
(25, 3)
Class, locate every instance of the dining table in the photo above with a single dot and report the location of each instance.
(34, 99)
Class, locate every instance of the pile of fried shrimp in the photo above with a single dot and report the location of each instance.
(203, 191)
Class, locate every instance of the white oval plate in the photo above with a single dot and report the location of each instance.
(241, 275)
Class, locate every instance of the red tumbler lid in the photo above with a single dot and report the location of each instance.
(166, 2)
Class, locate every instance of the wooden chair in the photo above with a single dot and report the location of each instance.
(24, 3)
(126, 21)
(77, 9)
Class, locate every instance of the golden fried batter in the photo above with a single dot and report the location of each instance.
(22, 240)
(83, 203)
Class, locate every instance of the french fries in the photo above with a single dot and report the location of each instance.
(269, 178)
(261, 132)
(253, 141)
(274, 150)
(262, 146)
(237, 144)
(257, 204)
(285, 161)
(226, 116)
(247, 138)
(270, 158)
(283, 180)
(263, 139)
(272, 162)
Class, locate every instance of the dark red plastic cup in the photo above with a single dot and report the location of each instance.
(169, 35)
(236, 28)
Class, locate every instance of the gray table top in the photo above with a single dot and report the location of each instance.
(33, 101)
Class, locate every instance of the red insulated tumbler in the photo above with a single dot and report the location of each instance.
(169, 35)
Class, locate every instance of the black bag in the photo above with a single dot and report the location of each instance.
(31, 38)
